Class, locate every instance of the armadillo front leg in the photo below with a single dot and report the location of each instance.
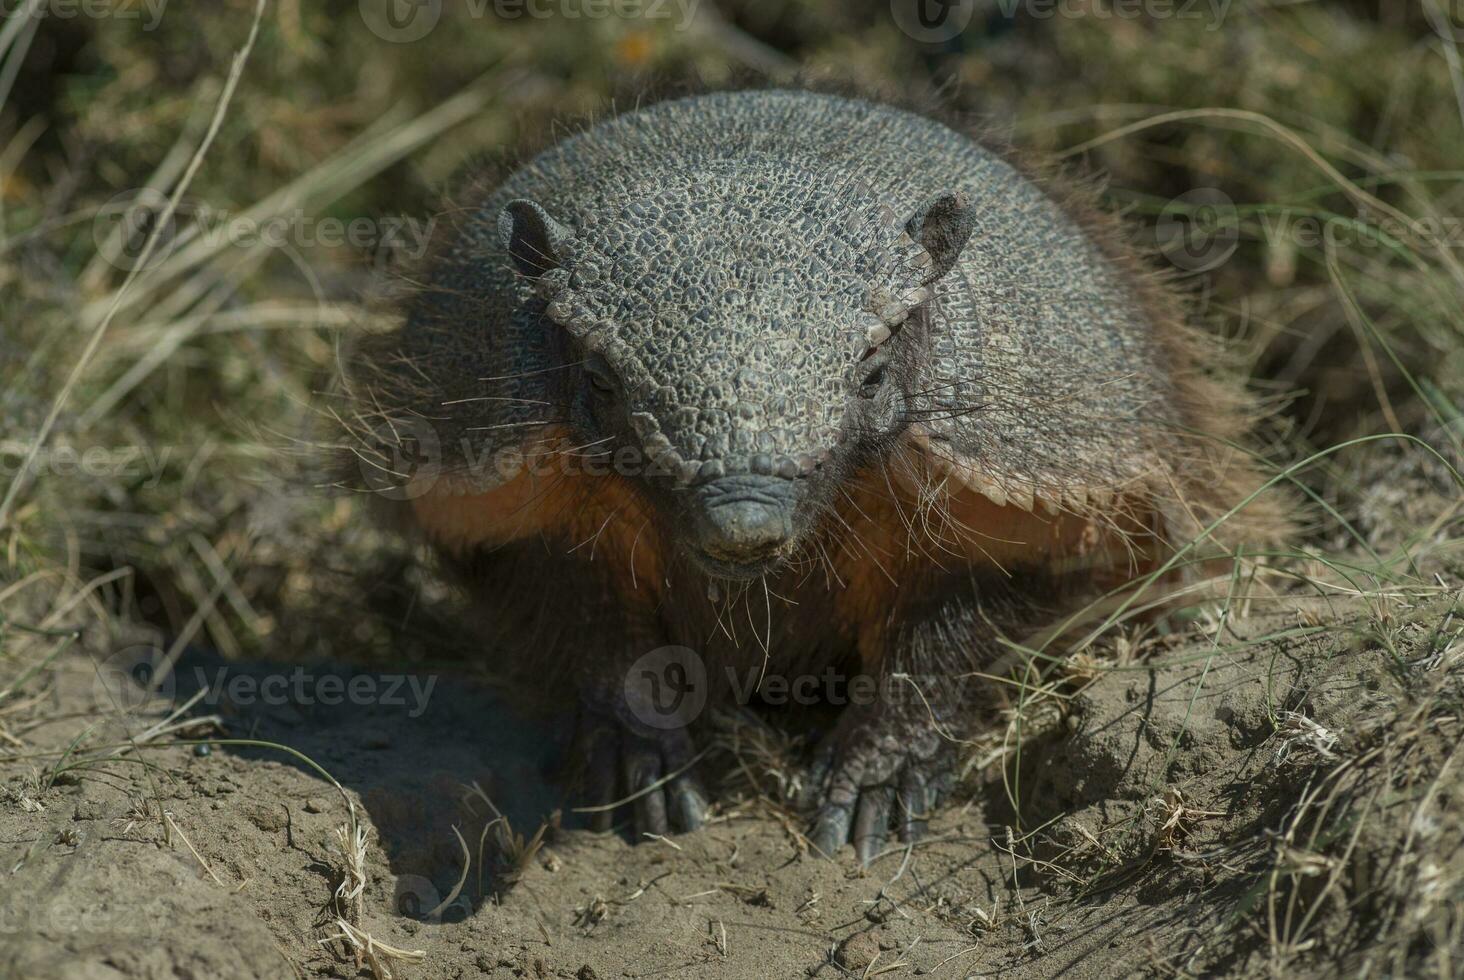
(884, 768)
(634, 744)
(887, 763)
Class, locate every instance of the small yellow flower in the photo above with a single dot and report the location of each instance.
(634, 48)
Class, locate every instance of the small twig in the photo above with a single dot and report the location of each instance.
(192, 850)
(378, 955)
(462, 880)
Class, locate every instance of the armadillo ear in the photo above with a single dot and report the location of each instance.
(535, 241)
(942, 225)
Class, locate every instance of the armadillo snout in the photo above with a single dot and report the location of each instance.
(745, 520)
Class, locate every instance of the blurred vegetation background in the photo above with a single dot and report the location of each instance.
(1324, 140)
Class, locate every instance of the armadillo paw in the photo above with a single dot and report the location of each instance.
(870, 779)
(644, 768)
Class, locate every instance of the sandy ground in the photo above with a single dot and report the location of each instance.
(1149, 833)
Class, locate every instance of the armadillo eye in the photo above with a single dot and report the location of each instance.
(873, 379)
(598, 374)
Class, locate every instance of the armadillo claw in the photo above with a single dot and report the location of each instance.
(872, 824)
(622, 766)
(864, 789)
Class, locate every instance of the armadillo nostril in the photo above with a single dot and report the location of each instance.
(745, 530)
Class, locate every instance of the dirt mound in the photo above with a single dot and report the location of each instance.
(1292, 803)
(1279, 796)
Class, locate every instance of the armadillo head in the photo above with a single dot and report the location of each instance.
(742, 330)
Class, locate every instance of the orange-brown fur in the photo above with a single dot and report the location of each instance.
(602, 515)
(883, 543)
